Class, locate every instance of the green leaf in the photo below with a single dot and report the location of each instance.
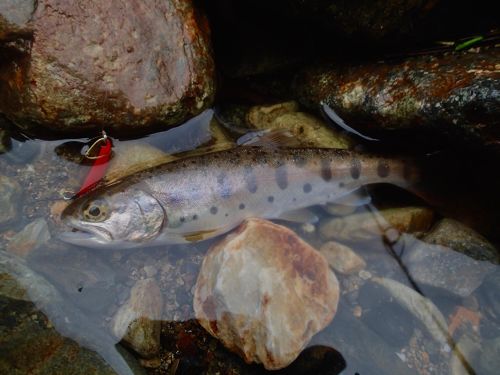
(468, 43)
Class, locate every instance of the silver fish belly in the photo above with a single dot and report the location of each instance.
(203, 196)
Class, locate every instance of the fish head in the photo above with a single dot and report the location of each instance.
(113, 218)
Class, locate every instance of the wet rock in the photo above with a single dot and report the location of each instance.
(342, 258)
(38, 329)
(307, 129)
(464, 356)
(137, 322)
(367, 225)
(264, 292)
(34, 235)
(489, 302)
(364, 351)
(383, 315)
(138, 67)
(455, 95)
(421, 307)
(10, 193)
(453, 234)
(489, 359)
(14, 18)
(452, 257)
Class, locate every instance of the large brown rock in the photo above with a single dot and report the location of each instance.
(264, 293)
(14, 18)
(123, 66)
(455, 95)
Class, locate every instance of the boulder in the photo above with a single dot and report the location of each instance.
(454, 95)
(264, 293)
(126, 67)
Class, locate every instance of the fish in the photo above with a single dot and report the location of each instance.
(203, 196)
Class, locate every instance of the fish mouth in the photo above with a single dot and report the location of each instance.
(83, 235)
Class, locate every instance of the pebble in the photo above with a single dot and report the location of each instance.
(137, 322)
(342, 258)
(264, 293)
(10, 193)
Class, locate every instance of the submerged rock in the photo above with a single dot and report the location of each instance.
(342, 258)
(112, 65)
(309, 130)
(38, 328)
(264, 293)
(10, 193)
(137, 322)
(454, 94)
(367, 225)
(452, 257)
(34, 235)
(455, 235)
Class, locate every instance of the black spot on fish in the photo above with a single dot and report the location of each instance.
(224, 188)
(300, 161)
(383, 169)
(355, 169)
(294, 199)
(195, 217)
(341, 185)
(226, 215)
(270, 199)
(242, 206)
(326, 170)
(213, 210)
(307, 188)
(182, 219)
(282, 177)
(250, 179)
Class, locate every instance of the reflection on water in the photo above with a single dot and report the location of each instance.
(418, 292)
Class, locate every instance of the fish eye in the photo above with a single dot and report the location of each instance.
(95, 211)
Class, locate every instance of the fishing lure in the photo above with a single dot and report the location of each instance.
(99, 165)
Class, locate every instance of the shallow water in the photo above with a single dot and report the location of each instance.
(376, 330)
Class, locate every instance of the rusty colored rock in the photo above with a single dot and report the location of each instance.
(454, 94)
(264, 293)
(122, 66)
(14, 19)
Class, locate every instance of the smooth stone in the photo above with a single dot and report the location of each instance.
(10, 194)
(138, 68)
(342, 258)
(489, 360)
(34, 235)
(137, 322)
(456, 236)
(451, 257)
(384, 316)
(264, 293)
(366, 225)
(424, 94)
(309, 130)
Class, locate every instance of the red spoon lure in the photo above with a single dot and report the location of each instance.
(99, 166)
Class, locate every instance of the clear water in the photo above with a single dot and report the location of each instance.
(372, 332)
